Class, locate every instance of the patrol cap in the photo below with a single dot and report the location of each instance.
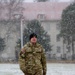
(32, 35)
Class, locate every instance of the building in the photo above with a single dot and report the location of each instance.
(49, 13)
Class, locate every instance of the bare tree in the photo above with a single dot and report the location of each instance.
(11, 6)
(53, 0)
(72, 0)
(1, 8)
(46, 0)
(40, 0)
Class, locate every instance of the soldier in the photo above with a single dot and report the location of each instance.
(32, 58)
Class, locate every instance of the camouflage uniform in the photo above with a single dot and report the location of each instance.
(32, 59)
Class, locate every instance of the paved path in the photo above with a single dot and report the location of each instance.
(52, 69)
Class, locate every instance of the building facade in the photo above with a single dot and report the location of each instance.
(49, 14)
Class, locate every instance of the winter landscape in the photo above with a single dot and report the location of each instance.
(52, 69)
(55, 22)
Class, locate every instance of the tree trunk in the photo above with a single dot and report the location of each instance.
(72, 48)
(63, 50)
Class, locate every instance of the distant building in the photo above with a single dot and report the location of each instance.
(49, 13)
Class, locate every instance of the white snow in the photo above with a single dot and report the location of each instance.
(52, 69)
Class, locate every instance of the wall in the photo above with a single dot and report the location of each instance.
(10, 30)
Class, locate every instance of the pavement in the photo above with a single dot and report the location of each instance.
(52, 69)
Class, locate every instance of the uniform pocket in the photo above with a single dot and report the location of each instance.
(28, 50)
(29, 69)
(38, 50)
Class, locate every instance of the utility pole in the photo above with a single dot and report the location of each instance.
(19, 16)
(21, 33)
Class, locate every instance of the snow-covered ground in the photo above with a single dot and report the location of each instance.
(52, 69)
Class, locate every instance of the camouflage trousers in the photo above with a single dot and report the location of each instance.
(39, 72)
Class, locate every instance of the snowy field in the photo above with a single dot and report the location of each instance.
(52, 69)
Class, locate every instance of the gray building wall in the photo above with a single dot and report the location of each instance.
(11, 32)
(59, 50)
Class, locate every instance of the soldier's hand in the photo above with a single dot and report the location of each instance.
(23, 50)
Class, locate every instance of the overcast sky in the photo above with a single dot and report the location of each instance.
(60, 0)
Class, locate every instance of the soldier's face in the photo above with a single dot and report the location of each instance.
(33, 40)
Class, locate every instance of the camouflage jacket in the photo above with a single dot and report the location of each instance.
(32, 58)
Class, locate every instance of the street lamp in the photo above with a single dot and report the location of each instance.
(21, 33)
(19, 16)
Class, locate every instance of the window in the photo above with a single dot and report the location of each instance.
(58, 37)
(68, 48)
(41, 16)
(58, 49)
(58, 26)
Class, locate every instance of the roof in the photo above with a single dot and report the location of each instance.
(51, 10)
